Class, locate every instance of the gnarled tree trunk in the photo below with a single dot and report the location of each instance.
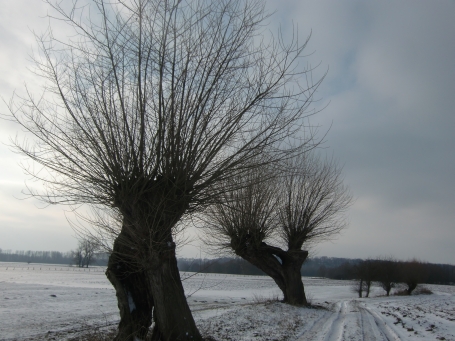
(292, 263)
(268, 263)
(134, 295)
(150, 218)
(173, 317)
(285, 271)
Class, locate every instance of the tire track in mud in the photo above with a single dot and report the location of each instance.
(329, 327)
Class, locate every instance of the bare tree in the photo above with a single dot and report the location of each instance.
(366, 274)
(78, 257)
(85, 253)
(148, 106)
(412, 274)
(387, 274)
(90, 247)
(271, 221)
(358, 287)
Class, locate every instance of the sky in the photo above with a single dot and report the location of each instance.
(389, 99)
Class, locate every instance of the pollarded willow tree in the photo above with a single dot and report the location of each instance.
(412, 273)
(147, 107)
(271, 221)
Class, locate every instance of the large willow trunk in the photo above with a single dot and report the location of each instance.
(291, 265)
(134, 295)
(282, 266)
(173, 317)
(268, 263)
(151, 281)
(150, 220)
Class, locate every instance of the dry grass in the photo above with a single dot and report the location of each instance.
(96, 334)
(259, 299)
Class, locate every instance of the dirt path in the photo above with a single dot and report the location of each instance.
(350, 320)
(329, 327)
(375, 326)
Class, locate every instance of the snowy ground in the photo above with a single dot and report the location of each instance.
(46, 302)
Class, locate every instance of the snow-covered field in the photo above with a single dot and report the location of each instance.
(51, 302)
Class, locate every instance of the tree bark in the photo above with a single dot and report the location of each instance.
(368, 287)
(267, 262)
(360, 288)
(286, 273)
(292, 264)
(134, 297)
(149, 220)
(173, 317)
(388, 291)
(411, 287)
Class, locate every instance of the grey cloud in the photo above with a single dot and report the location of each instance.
(390, 87)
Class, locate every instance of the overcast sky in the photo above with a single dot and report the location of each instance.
(390, 92)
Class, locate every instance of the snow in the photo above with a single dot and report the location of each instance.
(131, 302)
(44, 302)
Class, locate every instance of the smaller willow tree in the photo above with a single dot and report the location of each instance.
(412, 273)
(148, 105)
(387, 274)
(272, 221)
(366, 272)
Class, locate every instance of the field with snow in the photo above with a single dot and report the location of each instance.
(51, 302)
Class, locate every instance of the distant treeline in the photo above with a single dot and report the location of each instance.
(235, 266)
(312, 266)
(329, 267)
(48, 257)
(429, 273)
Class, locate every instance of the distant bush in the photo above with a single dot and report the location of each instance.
(401, 292)
(422, 291)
